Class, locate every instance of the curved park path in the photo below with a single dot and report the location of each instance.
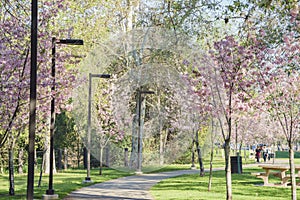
(131, 187)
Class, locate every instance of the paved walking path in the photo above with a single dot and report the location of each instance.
(130, 187)
(134, 187)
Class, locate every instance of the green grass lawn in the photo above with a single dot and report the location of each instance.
(63, 182)
(244, 186)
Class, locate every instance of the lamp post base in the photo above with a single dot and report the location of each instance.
(87, 180)
(138, 173)
(50, 196)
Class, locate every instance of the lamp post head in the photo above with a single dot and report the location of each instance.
(146, 92)
(100, 75)
(69, 41)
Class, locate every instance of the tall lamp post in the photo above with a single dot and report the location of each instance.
(32, 107)
(55, 41)
(140, 145)
(88, 178)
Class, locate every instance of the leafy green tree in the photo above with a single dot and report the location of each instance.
(66, 137)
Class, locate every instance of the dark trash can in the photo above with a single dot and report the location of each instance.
(236, 164)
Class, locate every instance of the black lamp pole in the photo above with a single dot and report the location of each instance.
(139, 160)
(88, 178)
(55, 41)
(32, 103)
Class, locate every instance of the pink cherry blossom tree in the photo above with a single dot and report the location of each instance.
(106, 131)
(233, 82)
(283, 103)
(227, 79)
(280, 86)
(15, 71)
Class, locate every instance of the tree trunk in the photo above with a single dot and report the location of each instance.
(211, 155)
(41, 170)
(35, 158)
(129, 23)
(210, 167)
(101, 160)
(134, 138)
(107, 155)
(20, 161)
(236, 139)
(134, 142)
(11, 171)
(292, 170)
(161, 135)
(200, 161)
(245, 154)
(59, 162)
(127, 26)
(78, 155)
(240, 149)
(66, 159)
(161, 147)
(193, 155)
(1, 162)
(228, 170)
(47, 156)
(199, 155)
(47, 162)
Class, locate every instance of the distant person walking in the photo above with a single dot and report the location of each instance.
(264, 153)
(257, 153)
(269, 152)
